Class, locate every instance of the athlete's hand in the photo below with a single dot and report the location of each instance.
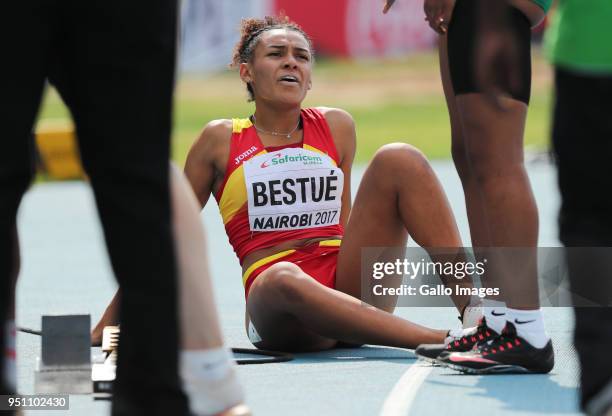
(96, 338)
(438, 14)
(388, 4)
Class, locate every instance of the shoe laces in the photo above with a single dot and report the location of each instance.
(478, 334)
(507, 340)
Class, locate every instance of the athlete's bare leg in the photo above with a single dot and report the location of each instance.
(487, 148)
(474, 210)
(293, 312)
(399, 196)
(110, 317)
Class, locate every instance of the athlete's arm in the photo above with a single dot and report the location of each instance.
(207, 158)
(342, 128)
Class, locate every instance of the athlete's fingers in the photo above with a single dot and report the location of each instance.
(433, 11)
(443, 27)
(446, 16)
(429, 10)
(437, 25)
(434, 27)
(388, 4)
(439, 14)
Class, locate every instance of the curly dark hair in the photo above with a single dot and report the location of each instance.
(251, 31)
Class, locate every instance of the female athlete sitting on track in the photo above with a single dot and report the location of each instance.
(282, 182)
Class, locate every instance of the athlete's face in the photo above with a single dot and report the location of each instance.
(280, 71)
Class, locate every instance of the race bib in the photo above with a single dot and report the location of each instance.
(291, 189)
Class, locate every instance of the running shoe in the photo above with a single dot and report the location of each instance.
(506, 354)
(457, 341)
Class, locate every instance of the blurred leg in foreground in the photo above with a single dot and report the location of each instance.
(113, 64)
(577, 43)
(22, 84)
(206, 365)
(582, 137)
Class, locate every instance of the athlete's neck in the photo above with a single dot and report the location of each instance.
(271, 120)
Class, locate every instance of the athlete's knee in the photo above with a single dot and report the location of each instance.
(398, 152)
(489, 170)
(285, 280)
(400, 158)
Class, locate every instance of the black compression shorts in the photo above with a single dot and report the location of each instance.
(462, 39)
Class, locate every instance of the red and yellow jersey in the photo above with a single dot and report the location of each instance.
(275, 194)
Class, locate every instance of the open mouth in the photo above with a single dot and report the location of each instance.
(289, 79)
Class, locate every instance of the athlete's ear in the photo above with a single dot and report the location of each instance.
(245, 72)
(310, 84)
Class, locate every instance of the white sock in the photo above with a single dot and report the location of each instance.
(210, 380)
(471, 315)
(10, 353)
(495, 313)
(455, 334)
(529, 325)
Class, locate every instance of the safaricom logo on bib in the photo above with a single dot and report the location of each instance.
(279, 159)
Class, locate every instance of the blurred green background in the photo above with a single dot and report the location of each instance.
(391, 100)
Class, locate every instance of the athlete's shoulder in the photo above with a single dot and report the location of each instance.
(218, 129)
(337, 117)
(214, 137)
(342, 128)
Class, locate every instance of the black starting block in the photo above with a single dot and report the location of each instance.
(65, 362)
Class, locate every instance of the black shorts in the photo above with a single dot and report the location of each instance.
(462, 39)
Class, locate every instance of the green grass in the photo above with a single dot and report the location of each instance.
(392, 100)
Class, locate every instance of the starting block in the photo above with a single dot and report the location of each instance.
(103, 374)
(65, 362)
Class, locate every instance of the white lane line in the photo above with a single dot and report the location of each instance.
(402, 395)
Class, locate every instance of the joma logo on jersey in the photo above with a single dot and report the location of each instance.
(243, 155)
(278, 159)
